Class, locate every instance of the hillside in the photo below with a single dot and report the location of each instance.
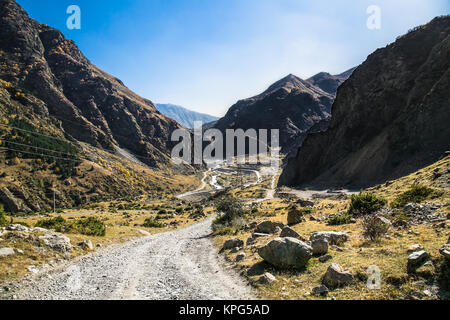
(292, 105)
(183, 116)
(390, 118)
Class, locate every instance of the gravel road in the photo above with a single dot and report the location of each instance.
(176, 265)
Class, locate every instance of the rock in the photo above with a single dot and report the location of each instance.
(260, 235)
(33, 269)
(289, 232)
(267, 278)
(305, 203)
(336, 276)
(11, 203)
(383, 221)
(320, 290)
(250, 241)
(333, 237)
(325, 258)
(269, 227)
(240, 257)
(56, 241)
(19, 251)
(235, 250)
(37, 229)
(286, 253)
(416, 247)
(86, 245)
(320, 247)
(295, 216)
(4, 252)
(416, 260)
(232, 243)
(17, 227)
(445, 251)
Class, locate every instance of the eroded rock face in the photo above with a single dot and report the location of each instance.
(336, 276)
(286, 253)
(392, 112)
(12, 204)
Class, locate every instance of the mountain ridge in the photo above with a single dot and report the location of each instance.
(184, 116)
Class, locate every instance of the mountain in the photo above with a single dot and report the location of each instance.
(71, 133)
(91, 105)
(390, 118)
(183, 116)
(292, 105)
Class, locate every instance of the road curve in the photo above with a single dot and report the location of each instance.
(176, 265)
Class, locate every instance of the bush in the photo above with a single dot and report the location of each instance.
(416, 194)
(230, 209)
(365, 203)
(91, 227)
(57, 224)
(373, 228)
(152, 223)
(3, 220)
(340, 220)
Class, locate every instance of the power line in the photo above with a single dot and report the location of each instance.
(37, 133)
(27, 145)
(42, 155)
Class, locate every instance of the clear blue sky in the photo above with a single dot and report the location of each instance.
(207, 54)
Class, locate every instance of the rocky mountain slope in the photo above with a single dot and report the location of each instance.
(390, 118)
(91, 105)
(292, 105)
(183, 116)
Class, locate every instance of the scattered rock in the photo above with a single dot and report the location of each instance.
(235, 250)
(333, 237)
(17, 227)
(267, 278)
(383, 221)
(19, 251)
(56, 241)
(289, 232)
(320, 290)
(320, 247)
(336, 276)
(416, 247)
(269, 227)
(4, 252)
(240, 257)
(286, 253)
(33, 269)
(445, 251)
(250, 241)
(295, 216)
(325, 258)
(260, 235)
(232, 243)
(416, 260)
(86, 245)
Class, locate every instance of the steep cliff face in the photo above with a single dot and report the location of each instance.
(292, 105)
(91, 105)
(390, 118)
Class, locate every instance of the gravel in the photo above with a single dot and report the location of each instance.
(177, 265)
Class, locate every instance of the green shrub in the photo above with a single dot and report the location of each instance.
(416, 194)
(57, 224)
(152, 223)
(373, 228)
(91, 227)
(365, 203)
(3, 220)
(340, 220)
(230, 209)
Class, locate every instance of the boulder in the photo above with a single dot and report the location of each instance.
(325, 258)
(250, 241)
(267, 278)
(56, 241)
(232, 243)
(240, 257)
(295, 216)
(336, 276)
(320, 290)
(416, 247)
(12, 204)
(333, 237)
(269, 227)
(17, 227)
(289, 232)
(417, 259)
(286, 253)
(260, 235)
(445, 251)
(4, 252)
(320, 247)
(86, 245)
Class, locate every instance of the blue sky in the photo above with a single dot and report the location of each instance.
(207, 54)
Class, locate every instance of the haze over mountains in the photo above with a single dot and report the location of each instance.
(292, 105)
(183, 116)
(390, 118)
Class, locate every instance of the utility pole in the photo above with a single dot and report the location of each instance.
(54, 201)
